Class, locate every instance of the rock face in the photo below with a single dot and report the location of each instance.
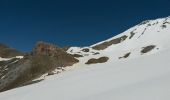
(49, 50)
(44, 58)
(43, 48)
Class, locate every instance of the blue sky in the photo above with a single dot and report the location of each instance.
(72, 22)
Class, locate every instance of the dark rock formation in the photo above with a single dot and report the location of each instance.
(147, 48)
(77, 55)
(131, 34)
(85, 50)
(99, 60)
(96, 53)
(106, 44)
(44, 58)
(125, 56)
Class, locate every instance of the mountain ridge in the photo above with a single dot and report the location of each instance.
(133, 59)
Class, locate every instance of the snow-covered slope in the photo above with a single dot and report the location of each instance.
(151, 34)
(143, 74)
(145, 78)
(148, 33)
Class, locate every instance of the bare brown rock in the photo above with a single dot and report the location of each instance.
(44, 59)
(104, 45)
(147, 48)
(77, 55)
(131, 34)
(99, 60)
(125, 56)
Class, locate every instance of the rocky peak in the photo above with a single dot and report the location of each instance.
(54, 52)
(43, 48)
(44, 58)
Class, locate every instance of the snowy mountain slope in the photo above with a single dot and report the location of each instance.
(148, 33)
(137, 69)
(145, 78)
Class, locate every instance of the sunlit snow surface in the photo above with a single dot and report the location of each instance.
(143, 77)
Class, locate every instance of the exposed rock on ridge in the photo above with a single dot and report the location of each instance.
(44, 58)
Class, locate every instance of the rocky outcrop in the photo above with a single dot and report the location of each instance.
(131, 34)
(106, 44)
(50, 50)
(85, 50)
(77, 55)
(99, 60)
(126, 55)
(147, 49)
(43, 59)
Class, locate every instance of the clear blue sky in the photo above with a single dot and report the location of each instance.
(72, 22)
